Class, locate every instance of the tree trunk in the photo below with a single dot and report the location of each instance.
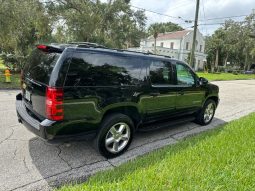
(217, 59)
(246, 67)
(225, 61)
(212, 66)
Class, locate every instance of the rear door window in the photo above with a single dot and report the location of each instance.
(161, 73)
(40, 65)
(94, 69)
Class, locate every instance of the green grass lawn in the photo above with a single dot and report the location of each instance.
(15, 78)
(225, 76)
(221, 159)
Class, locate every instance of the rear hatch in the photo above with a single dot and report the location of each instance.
(35, 79)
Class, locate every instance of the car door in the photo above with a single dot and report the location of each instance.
(159, 101)
(189, 94)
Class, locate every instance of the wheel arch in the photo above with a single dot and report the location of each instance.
(130, 111)
(214, 98)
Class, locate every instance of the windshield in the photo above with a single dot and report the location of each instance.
(40, 65)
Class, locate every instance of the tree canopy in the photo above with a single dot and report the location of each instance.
(28, 22)
(163, 28)
(232, 43)
(113, 24)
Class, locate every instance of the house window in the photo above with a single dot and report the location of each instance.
(152, 44)
(172, 45)
(161, 44)
(200, 49)
(187, 45)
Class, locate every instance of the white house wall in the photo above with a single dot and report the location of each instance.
(167, 43)
(199, 38)
(179, 50)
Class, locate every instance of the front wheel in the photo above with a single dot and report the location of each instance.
(205, 116)
(115, 135)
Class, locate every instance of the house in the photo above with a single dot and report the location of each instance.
(177, 45)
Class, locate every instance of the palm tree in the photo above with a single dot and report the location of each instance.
(155, 35)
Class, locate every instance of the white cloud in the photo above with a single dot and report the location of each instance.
(186, 10)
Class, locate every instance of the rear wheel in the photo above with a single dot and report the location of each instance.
(205, 116)
(115, 135)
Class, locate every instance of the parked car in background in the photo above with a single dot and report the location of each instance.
(83, 87)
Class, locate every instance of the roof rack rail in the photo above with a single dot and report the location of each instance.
(150, 53)
(131, 51)
(95, 45)
(87, 44)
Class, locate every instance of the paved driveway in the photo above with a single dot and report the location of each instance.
(28, 163)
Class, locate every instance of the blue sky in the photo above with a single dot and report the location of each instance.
(186, 10)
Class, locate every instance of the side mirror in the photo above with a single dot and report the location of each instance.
(203, 81)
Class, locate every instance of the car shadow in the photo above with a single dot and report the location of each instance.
(74, 160)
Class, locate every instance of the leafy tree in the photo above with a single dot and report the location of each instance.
(113, 24)
(231, 43)
(163, 28)
(156, 28)
(23, 23)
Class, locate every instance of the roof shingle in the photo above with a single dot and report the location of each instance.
(171, 35)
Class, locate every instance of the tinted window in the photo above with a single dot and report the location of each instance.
(161, 73)
(184, 75)
(40, 65)
(93, 69)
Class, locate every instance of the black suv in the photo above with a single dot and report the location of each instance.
(82, 87)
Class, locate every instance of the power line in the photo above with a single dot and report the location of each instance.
(228, 17)
(180, 4)
(157, 13)
(204, 24)
(189, 20)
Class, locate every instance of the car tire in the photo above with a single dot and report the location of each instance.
(115, 135)
(206, 114)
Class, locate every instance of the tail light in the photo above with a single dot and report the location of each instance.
(54, 104)
(42, 47)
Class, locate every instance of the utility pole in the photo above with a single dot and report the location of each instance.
(192, 55)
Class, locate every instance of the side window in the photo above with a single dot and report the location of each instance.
(184, 75)
(93, 69)
(161, 73)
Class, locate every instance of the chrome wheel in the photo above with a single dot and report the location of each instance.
(209, 112)
(117, 137)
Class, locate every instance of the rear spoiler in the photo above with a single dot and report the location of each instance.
(50, 48)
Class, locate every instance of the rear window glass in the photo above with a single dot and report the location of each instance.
(93, 69)
(40, 66)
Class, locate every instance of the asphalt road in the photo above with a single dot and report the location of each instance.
(28, 163)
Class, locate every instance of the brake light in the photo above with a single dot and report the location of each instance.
(42, 47)
(54, 104)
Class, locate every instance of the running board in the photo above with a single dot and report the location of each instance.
(165, 124)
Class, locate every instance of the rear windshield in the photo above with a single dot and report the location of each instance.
(40, 66)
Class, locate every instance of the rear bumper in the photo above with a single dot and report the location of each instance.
(44, 129)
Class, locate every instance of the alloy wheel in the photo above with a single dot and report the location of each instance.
(117, 137)
(209, 112)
